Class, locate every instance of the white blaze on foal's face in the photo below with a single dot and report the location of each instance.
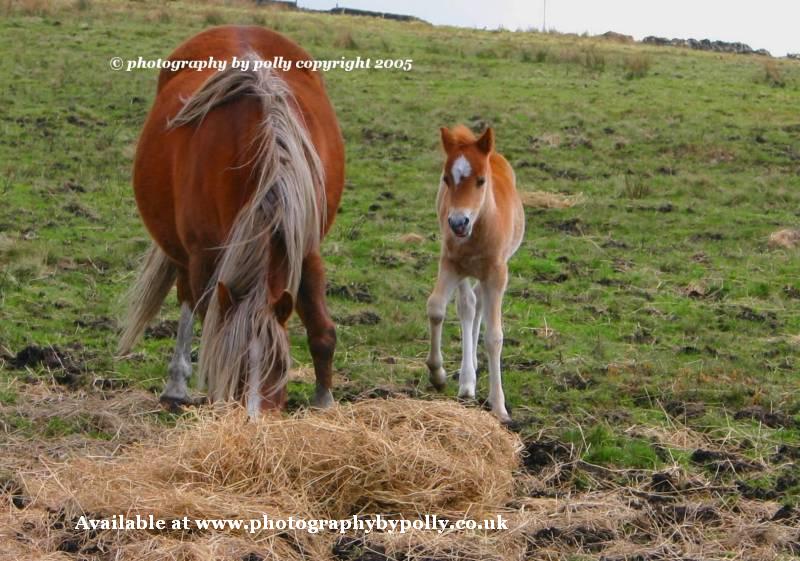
(461, 169)
(465, 195)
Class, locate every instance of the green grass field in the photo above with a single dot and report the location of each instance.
(653, 307)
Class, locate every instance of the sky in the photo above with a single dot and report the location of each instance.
(763, 24)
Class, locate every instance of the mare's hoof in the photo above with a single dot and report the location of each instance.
(438, 379)
(323, 399)
(174, 404)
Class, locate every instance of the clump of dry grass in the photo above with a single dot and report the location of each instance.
(345, 40)
(772, 74)
(543, 199)
(787, 238)
(636, 66)
(412, 238)
(30, 7)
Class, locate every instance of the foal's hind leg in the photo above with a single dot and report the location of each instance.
(321, 331)
(176, 392)
(437, 305)
(466, 314)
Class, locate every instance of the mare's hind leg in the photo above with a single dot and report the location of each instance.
(437, 305)
(176, 392)
(466, 314)
(320, 329)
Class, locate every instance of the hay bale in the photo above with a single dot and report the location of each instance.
(787, 238)
(543, 199)
(398, 456)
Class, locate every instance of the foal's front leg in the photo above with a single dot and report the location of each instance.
(437, 305)
(466, 314)
(492, 297)
(476, 323)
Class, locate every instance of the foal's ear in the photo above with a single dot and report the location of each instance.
(448, 140)
(486, 142)
(282, 307)
(224, 297)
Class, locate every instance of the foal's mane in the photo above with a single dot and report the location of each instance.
(463, 136)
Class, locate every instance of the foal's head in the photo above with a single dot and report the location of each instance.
(466, 177)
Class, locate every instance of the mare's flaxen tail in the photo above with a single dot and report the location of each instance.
(156, 277)
(288, 202)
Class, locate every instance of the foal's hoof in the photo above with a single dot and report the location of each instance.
(501, 413)
(175, 404)
(466, 393)
(469, 401)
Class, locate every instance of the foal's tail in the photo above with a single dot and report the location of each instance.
(156, 277)
(287, 205)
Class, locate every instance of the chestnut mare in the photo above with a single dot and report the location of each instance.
(482, 224)
(238, 176)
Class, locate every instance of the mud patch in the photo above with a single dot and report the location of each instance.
(723, 462)
(353, 291)
(772, 419)
(72, 186)
(539, 454)
(749, 314)
(684, 409)
(572, 226)
(386, 136)
(642, 336)
(707, 237)
(51, 357)
(77, 209)
(166, 329)
(366, 317)
(688, 514)
(100, 323)
(575, 381)
(584, 538)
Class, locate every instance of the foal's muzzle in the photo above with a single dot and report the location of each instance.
(459, 224)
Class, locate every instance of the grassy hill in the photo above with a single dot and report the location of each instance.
(652, 305)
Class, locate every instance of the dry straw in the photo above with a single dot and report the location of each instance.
(394, 457)
(786, 238)
(544, 199)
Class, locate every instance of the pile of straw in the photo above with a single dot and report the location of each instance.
(393, 457)
(396, 457)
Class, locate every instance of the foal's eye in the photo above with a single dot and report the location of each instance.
(481, 181)
(447, 180)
